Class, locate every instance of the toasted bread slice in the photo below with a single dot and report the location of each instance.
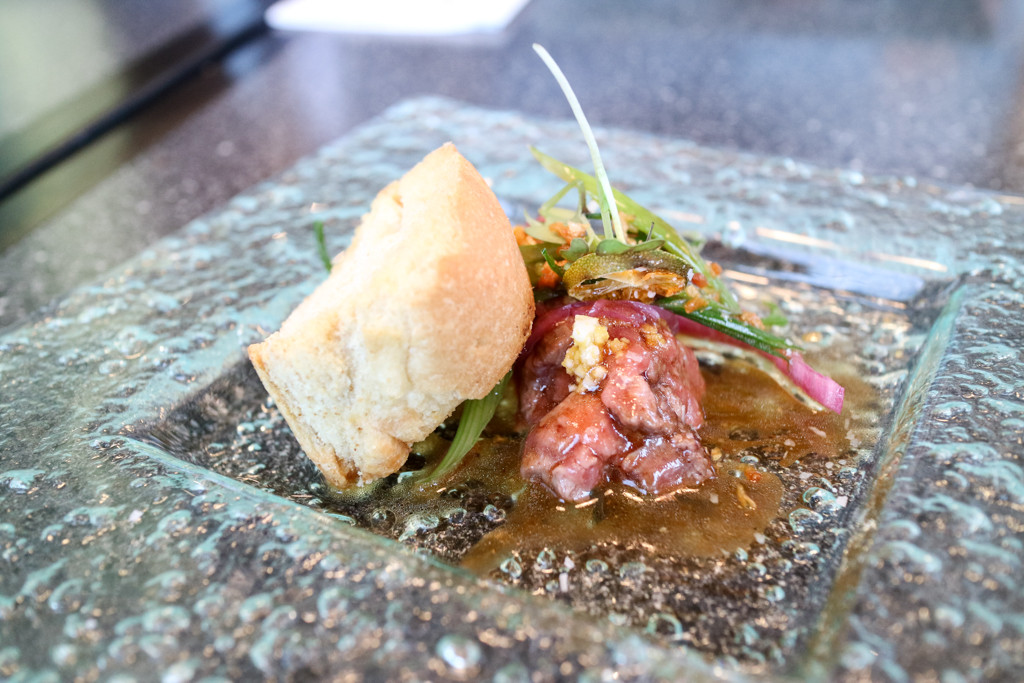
(428, 307)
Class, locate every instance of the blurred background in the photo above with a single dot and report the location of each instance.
(122, 120)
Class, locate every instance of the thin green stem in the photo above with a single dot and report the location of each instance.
(609, 209)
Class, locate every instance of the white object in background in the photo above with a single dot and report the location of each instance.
(395, 17)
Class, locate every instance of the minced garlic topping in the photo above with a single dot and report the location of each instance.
(584, 356)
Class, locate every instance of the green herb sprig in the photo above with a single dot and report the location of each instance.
(321, 245)
(646, 224)
(654, 233)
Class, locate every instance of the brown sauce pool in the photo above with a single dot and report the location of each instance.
(744, 408)
(746, 412)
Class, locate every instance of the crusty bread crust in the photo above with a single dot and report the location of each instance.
(428, 307)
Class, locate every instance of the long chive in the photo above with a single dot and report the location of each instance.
(608, 207)
(476, 414)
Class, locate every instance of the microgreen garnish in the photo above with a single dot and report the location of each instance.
(321, 245)
(679, 280)
(646, 223)
(611, 247)
(476, 414)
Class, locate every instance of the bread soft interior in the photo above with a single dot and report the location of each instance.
(428, 307)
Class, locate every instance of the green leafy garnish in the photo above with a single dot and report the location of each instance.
(321, 245)
(533, 257)
(674, 276)
(476, 414)
(646, 223)
(611, 247)
(540, 231)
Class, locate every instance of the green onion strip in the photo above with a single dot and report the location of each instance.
(476, 414)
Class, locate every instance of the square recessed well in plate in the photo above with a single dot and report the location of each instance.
(755, 587)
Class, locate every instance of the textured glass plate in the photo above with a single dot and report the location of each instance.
(159, 514)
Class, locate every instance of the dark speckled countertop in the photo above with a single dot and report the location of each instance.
(930, 89)
(862, 128)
